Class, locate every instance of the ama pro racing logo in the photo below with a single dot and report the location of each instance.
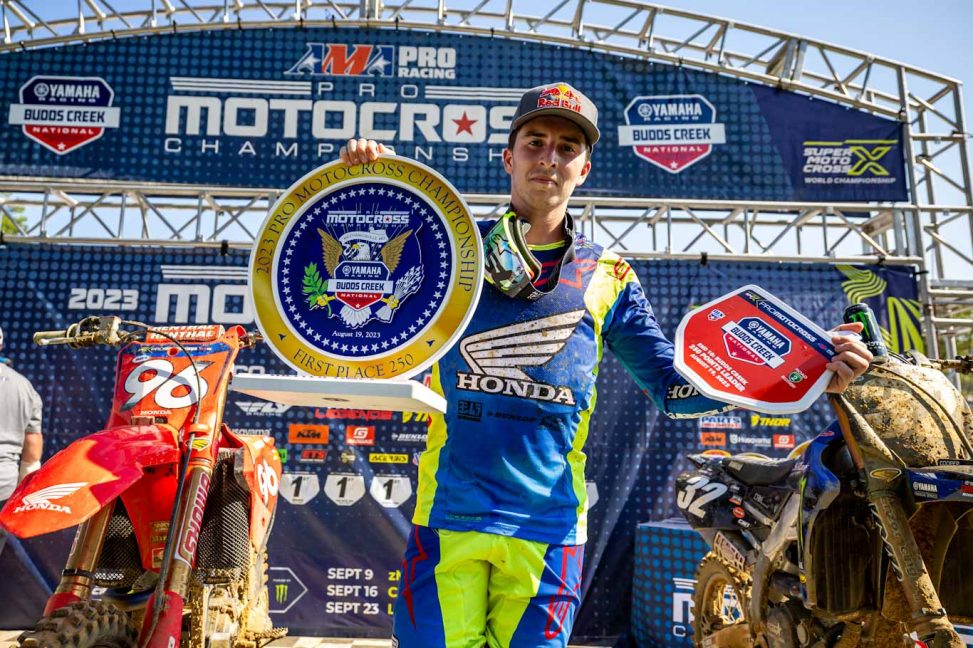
(673, 132)
(65, 113)
(358, 60)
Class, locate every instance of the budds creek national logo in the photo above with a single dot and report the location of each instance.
(672, 132)
(368, 60)
(65, 113)
(360, 281)
(754, 341)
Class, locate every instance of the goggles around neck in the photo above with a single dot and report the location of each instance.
(510, 265)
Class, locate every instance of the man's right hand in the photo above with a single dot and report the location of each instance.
(360, 151)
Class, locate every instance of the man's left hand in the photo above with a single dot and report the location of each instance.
(851, 358)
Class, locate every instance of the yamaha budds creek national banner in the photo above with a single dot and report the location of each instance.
(350, 475)
(259, 108)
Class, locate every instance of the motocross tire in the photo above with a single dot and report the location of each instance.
(86, 624)
(720, 602)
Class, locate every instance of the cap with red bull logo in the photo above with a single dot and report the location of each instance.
(559, 100)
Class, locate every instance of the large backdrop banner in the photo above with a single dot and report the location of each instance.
(350, 475)
(258, 107)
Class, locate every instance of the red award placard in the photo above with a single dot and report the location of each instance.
(751, 349)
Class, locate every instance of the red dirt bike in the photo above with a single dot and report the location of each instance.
(174, 510)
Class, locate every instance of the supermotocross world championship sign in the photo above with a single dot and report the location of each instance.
(258, 108)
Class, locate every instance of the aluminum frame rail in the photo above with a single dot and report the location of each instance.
(934, 231)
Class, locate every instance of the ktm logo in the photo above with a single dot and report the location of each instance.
(304, 433)
(712, 438)
(171, 390)
(497, 356)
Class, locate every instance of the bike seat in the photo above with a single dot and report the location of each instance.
(758, 472)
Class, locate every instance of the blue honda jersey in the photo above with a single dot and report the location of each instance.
(507, 457)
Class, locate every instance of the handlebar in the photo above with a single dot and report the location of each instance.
(88, 332)
(961, 364)
(107, 330)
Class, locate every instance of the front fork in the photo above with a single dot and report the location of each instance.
(163, 628)
(77, 577)
(928, 615)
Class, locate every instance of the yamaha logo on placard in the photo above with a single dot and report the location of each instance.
(360, 279)
(65, 113)
(673, 132)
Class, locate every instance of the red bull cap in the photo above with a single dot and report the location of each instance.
(559, 100)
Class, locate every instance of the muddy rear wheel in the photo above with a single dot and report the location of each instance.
(720, 605)
(86, 624)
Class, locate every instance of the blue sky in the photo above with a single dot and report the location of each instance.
(934, 35)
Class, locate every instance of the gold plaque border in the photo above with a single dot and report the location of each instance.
(464, 287)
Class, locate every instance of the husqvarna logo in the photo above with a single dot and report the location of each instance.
(41, 500)
(497, 356)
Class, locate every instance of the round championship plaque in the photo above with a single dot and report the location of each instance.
(366, 271)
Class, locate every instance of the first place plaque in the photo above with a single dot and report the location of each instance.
(366, 271)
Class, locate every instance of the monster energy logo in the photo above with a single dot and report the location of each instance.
(280, 593)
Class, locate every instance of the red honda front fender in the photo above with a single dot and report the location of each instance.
(79, 480)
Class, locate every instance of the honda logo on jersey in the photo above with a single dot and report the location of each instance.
(171, 390)
(496, 358)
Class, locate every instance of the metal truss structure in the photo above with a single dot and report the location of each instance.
(933, 232)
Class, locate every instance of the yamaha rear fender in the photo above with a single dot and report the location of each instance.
(951, 483)
(86, 476)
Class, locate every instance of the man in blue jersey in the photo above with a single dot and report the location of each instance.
(494, 556)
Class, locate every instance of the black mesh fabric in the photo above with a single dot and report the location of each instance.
(119, 564)
(225, 536)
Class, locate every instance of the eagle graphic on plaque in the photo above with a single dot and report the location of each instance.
(361, 274)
